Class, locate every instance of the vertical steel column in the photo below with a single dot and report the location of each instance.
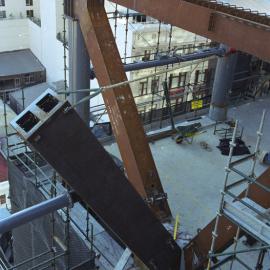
(79, 68)
(222, 85)
(122, 110)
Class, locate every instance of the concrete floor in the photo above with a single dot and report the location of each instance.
(193, 177)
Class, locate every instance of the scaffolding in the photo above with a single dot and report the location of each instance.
(249, 217)
(18, 153)
(189, 99)
(50, 185)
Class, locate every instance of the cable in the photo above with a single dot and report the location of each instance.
(102, 89)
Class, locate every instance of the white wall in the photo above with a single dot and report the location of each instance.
(59, 17)
(35, 39)
(14, 34)
(23, 33)
(52, 52)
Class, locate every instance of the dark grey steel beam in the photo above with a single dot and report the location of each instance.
(89, 170)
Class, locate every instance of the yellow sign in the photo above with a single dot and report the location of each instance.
(196, 104)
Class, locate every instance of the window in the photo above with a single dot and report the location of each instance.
(30, 13)
(155, 85)
(207, 75)
(147, 55)
(139, 18)
(28, 78)
(197, 77)
(185, 49)
(29, 2)
(142, 113)
(173, 81)
(200, 46)
(2, 3)
(2, 199)
(190, 48)
(182, 79)
(3, 14)
(200, 76)
(17, 82)
(143, 88)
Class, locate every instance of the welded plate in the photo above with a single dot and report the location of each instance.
(72, 150)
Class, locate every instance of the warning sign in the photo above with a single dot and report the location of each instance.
(197, 104)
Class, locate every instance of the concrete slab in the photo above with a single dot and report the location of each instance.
(193, 176)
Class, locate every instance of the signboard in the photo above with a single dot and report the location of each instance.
(196, 104)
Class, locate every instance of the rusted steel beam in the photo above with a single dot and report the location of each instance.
(126, 124)
(200, 245)
(239, 29)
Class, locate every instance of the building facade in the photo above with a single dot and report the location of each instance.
(37, 33)
(11, 9)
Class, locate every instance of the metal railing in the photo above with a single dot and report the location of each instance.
(234, 10)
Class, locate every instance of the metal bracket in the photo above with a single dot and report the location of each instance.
(156, 197)
(211, 25)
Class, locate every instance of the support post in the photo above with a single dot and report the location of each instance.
(79, 68)
(120, 104)
(222, 85)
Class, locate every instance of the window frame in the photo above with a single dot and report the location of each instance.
(29, 3)
(4, 14)
(143, 88)
(155, 85)
(31, 11)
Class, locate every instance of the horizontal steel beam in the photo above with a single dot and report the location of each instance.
(236, 28)
(169, 60)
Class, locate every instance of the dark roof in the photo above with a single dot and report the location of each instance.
(19, 62)
(30, 93)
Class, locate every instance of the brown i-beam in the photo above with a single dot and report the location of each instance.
(126, 124)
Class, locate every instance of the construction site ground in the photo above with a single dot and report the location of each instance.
(193, 176)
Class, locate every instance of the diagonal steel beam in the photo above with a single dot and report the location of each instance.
(126, 124)
(57, 132)
(235, 27)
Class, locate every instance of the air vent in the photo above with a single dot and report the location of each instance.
(47, 103)
(27, 121)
